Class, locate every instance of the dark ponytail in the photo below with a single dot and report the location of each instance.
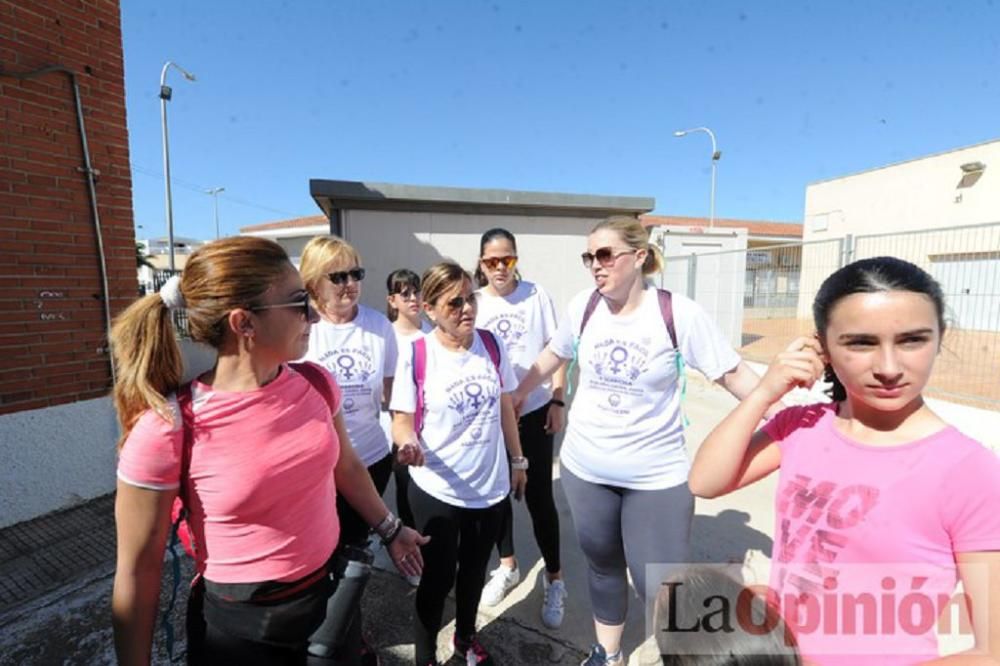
(865, 277)
(491, 235)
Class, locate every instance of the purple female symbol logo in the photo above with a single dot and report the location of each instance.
(346, 365)
(503, 328)
(474, 392)
(618, 356)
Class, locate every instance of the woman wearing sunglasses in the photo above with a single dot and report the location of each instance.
(624, 463)
(256, 449)
(404, 308)
(357, 345)
(452, 418)
(522, 315)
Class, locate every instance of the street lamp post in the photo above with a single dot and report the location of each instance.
(214, 192)
(165, 94)
(716, 154)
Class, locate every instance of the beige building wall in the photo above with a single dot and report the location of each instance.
(932, 194)
(549, 247)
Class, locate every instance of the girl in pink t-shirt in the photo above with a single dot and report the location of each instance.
(882, 506)
(257, 449)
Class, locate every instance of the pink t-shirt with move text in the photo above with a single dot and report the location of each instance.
(865, 536)
(261, 494)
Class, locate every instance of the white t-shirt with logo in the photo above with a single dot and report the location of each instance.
(525, 320)
(625, 425)
(359, 354)
(465, 459)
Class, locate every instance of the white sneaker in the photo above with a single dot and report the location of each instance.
(502, 580)
(552, 602)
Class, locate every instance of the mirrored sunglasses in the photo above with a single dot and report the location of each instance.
(493, 263)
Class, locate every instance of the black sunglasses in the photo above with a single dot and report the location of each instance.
(305, 305)
(407, 293)
(340, 277)
(459, 302)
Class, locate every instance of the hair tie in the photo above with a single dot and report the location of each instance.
(171, 294)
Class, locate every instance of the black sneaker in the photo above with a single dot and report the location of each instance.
(598, 657)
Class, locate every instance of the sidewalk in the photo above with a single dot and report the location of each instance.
(55, 585)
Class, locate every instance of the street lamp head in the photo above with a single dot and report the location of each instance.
(680, 133)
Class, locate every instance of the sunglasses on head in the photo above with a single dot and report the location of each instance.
(605, 256)
(304, 305)
(493, 263)
(459, 302)
(340, 277)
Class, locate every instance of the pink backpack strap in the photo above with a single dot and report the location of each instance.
(318, 377)
(667, 312)
(419, 374)
(492, 348)
(592, 302)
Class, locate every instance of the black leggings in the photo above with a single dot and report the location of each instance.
(622, 531)
(353, 528)
(354, 532)
(538, 448)
(461, 538)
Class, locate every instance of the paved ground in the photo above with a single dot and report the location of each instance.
(61, 617)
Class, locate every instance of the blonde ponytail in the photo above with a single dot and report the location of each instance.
(148, 361)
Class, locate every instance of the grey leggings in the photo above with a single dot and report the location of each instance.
(618, 529)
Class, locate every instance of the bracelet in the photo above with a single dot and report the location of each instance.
(384, 528)
(553, 401)
(519, 463)
(391, 536)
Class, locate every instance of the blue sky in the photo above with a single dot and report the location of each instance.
(577, 96)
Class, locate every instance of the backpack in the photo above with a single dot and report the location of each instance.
(665, 299)
(180, 531)
(420, 370)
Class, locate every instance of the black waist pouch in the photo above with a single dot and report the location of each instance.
(276, 613)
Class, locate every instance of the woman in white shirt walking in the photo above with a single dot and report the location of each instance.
(522, 315)
(452, 417)
(624, 463)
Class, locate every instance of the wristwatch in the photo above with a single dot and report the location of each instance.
(519, 462)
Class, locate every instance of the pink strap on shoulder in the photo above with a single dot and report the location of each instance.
(419, 374)
(316, 376)
(492, 348)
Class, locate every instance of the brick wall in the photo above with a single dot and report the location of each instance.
(53, 346)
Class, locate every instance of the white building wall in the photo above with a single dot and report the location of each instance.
(55, 457)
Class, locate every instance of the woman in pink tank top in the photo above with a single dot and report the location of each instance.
(256, 448)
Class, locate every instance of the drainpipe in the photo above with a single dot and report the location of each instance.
(90, 174)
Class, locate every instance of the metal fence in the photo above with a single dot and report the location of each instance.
(773, 288)
(160, 277)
